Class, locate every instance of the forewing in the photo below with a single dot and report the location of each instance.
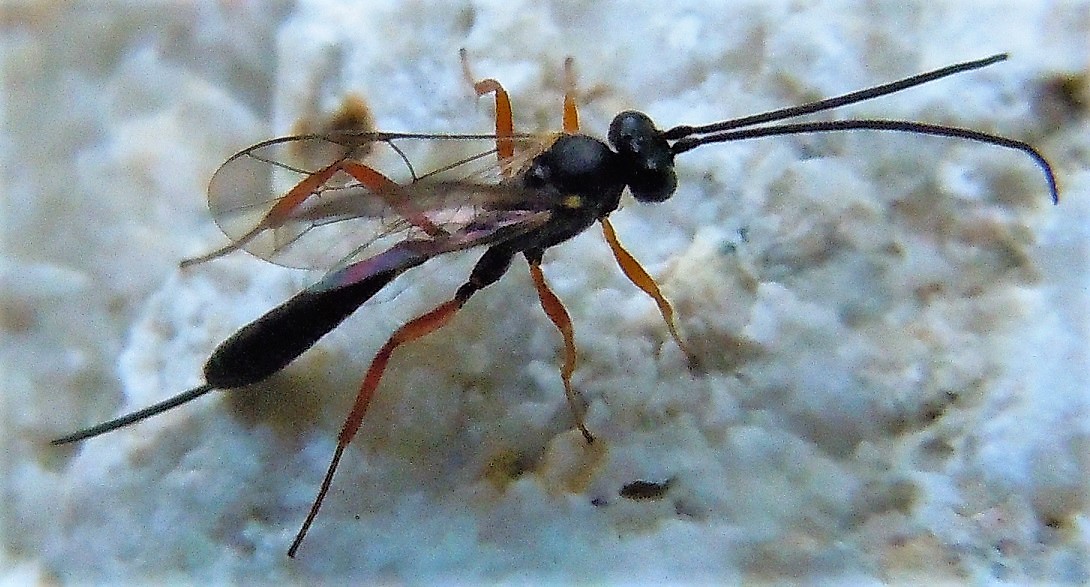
(322, 201)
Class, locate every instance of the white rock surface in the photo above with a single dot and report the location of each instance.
(893, 328)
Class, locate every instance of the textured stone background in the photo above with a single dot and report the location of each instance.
(893, 327)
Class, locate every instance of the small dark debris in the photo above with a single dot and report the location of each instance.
(645, 490)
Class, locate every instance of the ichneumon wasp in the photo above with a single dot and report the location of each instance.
(334, 199)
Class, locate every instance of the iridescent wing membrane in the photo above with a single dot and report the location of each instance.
(326, 201)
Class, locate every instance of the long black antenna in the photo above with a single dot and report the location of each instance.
(719, 132)
(877, 124)
(829, 103)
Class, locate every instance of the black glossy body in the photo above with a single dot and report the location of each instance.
(269, 343)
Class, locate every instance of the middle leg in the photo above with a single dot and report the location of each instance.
(556, 312)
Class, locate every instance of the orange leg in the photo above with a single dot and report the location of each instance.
(639, 276)
(492, 265)
(571, 113)
(505, 124)
(281, 212)
(556, 312)
(415, 329)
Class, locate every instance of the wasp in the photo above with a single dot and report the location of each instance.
(352, 200)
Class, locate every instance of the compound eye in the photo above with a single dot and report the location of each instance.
(630, 131)
(653, 186)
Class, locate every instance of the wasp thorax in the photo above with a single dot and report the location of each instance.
(646, 154)
(576, 164)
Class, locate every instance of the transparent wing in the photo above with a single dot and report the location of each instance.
(324, 201)
(408, 253)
